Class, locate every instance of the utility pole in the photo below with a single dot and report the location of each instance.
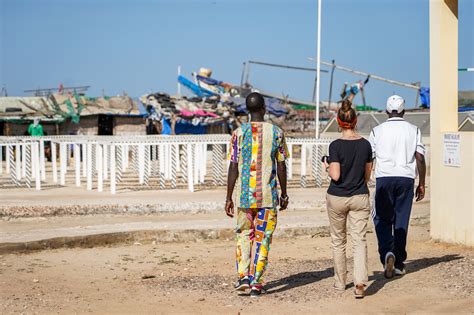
(330, 82)
(243, 74)
(318, 68)
(247, 73)
(417, 93)
(313, 98)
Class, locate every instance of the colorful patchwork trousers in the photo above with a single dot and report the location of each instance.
(254, 225)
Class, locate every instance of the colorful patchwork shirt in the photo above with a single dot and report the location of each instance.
(256, 147)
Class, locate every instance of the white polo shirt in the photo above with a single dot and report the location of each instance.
(394, 144)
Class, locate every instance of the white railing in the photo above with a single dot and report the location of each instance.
(171, 160)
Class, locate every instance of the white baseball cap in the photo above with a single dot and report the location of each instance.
(395, 102)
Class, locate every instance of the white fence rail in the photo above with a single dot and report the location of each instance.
(96, 162)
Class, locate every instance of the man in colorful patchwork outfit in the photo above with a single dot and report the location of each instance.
(257, 156)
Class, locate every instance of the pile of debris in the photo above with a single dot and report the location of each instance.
(197, 110)
(206, 111)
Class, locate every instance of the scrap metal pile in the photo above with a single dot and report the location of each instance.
(213, 102)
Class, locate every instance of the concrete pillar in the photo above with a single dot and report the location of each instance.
(452, 215)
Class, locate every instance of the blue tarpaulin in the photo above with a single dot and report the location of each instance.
(183, 127)
(425, 96)
(166, 126)
(199, 91)
(273, 106)
(209, 81)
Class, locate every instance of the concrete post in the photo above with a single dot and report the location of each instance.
(77, 164)
(105, 165)
(7, 159)
(141, 163)
(36, 155)
(113, 181)
(161, 161)
(100, 167)
(54, 162)
(289, 165)
(42, 162)
(84, 159)
(62, 163)
(196, 162)
(124, 151)
(303, 165)
(89, 166)
(203, 171)
(23, 161)
(189, 162)
(125, 156)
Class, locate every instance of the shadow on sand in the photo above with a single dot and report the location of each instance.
(412, 267)
(308, 277)
(298, 280)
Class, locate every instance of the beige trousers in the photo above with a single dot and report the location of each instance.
(351, 213)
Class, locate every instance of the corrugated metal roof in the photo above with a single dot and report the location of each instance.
(56, 108)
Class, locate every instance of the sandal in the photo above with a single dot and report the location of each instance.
(359, 291)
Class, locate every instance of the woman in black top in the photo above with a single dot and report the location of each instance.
(348, 205)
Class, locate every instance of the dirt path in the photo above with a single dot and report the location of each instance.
(198, 278)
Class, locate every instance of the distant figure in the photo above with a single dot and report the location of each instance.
(350, 91)
(348, 203)
(399, 153)
(257, 152)
(35, 129)
(153, 121)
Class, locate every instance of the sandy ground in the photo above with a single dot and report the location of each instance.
(198, 277)
(72, 201)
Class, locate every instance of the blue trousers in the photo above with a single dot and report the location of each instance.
(392, 208)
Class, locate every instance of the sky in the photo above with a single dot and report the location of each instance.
(137, 45)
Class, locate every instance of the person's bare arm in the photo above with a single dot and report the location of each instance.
(335, 171)
(368, 171)
(232, 176)
(281, 172)
(351, 97)
(421, 166)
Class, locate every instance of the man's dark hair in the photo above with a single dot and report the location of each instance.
(254, 102)
(395, 113)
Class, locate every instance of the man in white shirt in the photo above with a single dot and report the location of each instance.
(399, 154)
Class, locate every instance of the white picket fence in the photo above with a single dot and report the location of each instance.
(99, 160)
